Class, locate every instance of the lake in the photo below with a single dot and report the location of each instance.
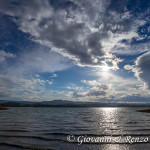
(70, 128)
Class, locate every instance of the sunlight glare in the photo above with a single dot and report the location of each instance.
(105, 68)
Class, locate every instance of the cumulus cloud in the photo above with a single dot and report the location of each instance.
(74, 87)
(134, 98)
(103, 86)
(14, 87)
(96, 91)
(76, 95)
(141, 68)
(84, 31)
(96, 84)
(125, 99)
(28, 88)
(114, 84)
(31, 15)
(90, 82)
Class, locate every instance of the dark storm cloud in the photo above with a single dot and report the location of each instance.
(69, 38)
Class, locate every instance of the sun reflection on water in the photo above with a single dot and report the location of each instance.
(108, 120)
(109, 114)
(116, 147)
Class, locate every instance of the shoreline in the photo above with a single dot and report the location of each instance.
(146, 110)
(3, 108)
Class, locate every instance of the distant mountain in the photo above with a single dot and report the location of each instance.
(3, 101)
(66, 103)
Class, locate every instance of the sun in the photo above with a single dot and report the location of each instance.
(105, 68)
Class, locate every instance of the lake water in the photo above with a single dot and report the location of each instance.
(118, 128)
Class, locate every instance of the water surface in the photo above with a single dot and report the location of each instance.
(48, 128)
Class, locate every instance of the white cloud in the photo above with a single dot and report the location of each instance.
(21, 80)
(97, 90)
(5, 55)
(28, 88)
(37, 75)
(90, 82)
(141, 68)
(134, 98)
(18, 87)
(113, 85)
(50, 82)
(74, 87)
(54, 75)
(46, 61)
(31, 14)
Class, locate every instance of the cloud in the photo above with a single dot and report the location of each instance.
(127, 49)
(86, 32)
(28, 88)
(53, 75)
(5, 55)
(96, 84)
(20, 79)
(76, 95)
(90, 82)
(31, 15)
(131, 99)
(103, 87)
(37, 75)
(114, 84)
(134, 98)
(90, 93)
(38, 61)
(50, 82)
(74, 87)
(96, 91)
(22, 88)
(141, 68)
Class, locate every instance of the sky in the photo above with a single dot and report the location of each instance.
(78, 50)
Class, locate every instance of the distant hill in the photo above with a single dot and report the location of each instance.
(66, 103)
